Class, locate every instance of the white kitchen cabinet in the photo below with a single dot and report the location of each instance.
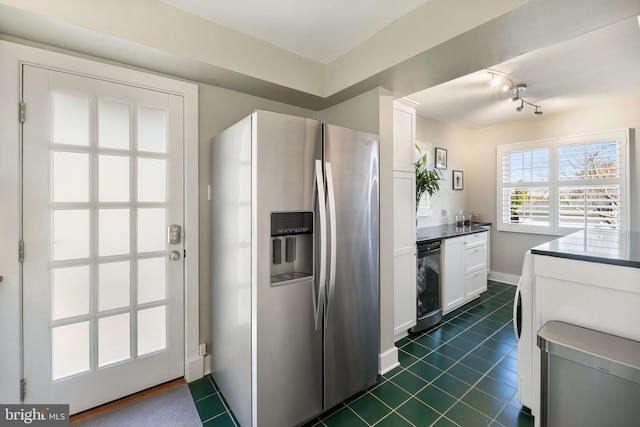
(464, 269)
(404, 135)
(453, 295)
(404, 253)
(475, 264)
(404, 218)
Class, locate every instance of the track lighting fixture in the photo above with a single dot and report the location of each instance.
(515, 89)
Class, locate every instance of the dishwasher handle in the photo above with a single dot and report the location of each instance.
(430, 248)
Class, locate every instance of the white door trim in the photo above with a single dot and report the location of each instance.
(12, 55)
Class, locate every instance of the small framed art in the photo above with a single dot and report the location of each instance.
(458, 183)
(441, 158)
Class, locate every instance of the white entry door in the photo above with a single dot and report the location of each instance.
(102, 273)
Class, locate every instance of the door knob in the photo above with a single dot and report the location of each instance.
(174, 255)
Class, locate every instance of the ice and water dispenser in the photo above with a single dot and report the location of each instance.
(291, 246)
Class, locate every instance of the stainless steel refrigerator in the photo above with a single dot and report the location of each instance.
(294, 266)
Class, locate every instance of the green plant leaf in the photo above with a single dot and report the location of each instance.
(427, 180)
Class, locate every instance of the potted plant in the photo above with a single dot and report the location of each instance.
(427, 180)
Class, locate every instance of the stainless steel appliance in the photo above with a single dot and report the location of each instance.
(294, 266)
(428, 286)
(589, 378)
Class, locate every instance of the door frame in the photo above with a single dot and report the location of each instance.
(12, 56)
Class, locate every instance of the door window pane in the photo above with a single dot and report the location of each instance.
(151, 280)
(70, 291)
(113, 125)
(113, 179)
(70, 234)
(152, 233)
(113, 232)
(70, 177)
(70, 349)
(114, 343)
(152, 178)
(152, 130)
(152, 330)
(113, 285)
(70, 119)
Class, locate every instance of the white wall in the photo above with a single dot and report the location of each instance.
(453, 139)
(478, 148)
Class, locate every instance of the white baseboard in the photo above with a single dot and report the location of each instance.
(401, 335)
(388, 360)
(208, 367)
(195, 369)
(509, 279)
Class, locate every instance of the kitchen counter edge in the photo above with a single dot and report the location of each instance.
(448, 231)
(613, 248)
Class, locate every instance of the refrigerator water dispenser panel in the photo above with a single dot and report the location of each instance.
(291, 246)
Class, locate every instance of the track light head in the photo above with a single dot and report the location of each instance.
(495, 79)
(517, 90)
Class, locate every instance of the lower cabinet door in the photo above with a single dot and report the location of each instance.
(405, 299)
(475, 283)
(453, 292)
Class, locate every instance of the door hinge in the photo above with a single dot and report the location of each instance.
(21, 112)
(23, 386)
(21, 251)
(184, 254)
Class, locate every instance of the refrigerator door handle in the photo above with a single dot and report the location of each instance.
(318, 300)
(332, 236)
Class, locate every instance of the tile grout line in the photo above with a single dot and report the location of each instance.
(428, 383)
(468, 311)
(458, 400)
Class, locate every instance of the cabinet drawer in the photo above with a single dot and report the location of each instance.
(475, 259)
(475, 283)
(477, 239)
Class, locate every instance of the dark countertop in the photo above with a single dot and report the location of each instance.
(446, 231)
(606, 247)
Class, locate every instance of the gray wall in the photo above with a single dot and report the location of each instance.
(478, 147)
(370, 112)
(218, 109)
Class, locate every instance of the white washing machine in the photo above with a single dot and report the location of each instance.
(526, 336)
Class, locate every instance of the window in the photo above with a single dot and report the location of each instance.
(560, 185)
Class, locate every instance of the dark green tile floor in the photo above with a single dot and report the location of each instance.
(461, 373)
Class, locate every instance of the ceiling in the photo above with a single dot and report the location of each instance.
(597, 67)
(318, 30)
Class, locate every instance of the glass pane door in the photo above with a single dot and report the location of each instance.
(103, 181)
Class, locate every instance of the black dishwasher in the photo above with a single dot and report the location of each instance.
(428, 285)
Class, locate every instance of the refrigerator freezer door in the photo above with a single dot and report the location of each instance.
(287, 349)
(352, 327)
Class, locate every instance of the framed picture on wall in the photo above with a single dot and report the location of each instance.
(458, 183)
(441, 158)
